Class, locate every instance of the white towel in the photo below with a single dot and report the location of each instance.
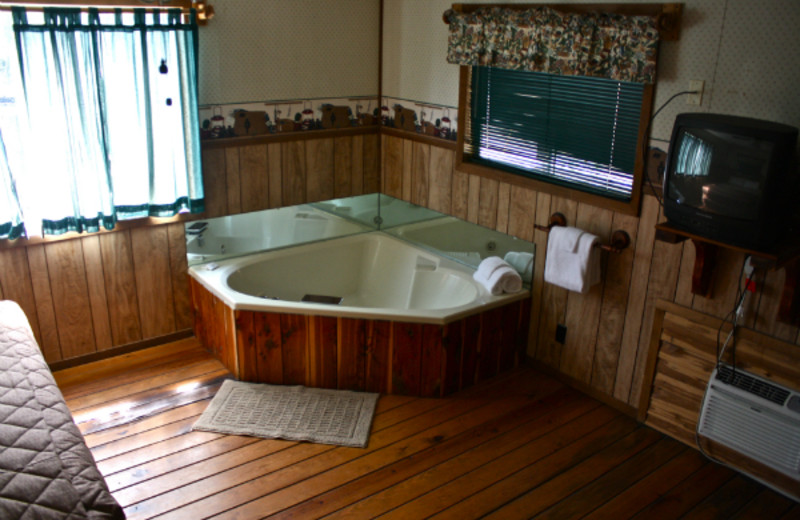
(572, 260)
(522, 262)
(497, 276)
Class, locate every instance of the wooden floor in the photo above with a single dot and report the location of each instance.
(522, 445)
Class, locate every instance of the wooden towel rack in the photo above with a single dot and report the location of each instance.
(620, 239)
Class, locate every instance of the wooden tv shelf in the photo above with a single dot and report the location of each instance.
(784, 255)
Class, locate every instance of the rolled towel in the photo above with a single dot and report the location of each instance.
(498, 276)
(522, 262)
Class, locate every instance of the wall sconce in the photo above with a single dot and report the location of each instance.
(205, 12)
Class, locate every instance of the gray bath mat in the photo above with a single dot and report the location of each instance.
(295, 413)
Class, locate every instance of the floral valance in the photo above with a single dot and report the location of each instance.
(541, 39)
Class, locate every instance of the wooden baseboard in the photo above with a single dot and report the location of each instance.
(584, 388)
(118, 351)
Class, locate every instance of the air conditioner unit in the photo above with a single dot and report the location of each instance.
(755, 417)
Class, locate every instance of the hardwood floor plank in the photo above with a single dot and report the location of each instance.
(96, 372)
(561, 487)
(248, 481)
(138, 371)
(726, 500)
(200, 390)
(351, 470)
(517, 444)
(683, 497)
(765, 505)
(617, 480)
(173, 476)
(650, 488)
(467, 475)
(186, 373)
(404, 468)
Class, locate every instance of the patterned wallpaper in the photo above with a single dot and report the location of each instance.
(272, 50)
(745, 51)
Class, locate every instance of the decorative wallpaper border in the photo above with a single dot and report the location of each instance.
(301, 115)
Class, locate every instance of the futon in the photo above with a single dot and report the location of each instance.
(46, 469)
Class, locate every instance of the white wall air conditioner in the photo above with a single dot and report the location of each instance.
(755, 417)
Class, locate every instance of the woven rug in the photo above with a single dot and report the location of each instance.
(295, 413)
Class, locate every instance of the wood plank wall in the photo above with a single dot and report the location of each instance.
(682, 354)
(89, 294)
(608, 329)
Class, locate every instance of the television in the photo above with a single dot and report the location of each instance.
(731, 179)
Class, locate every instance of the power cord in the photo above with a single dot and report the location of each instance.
(733, 316)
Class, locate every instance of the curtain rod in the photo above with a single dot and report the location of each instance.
(204, 11)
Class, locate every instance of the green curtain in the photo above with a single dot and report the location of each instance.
(10, 214)
(111, 114)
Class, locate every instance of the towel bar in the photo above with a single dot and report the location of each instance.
(620, 239)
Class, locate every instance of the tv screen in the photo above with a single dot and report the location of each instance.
(720, 172)
(729, 178)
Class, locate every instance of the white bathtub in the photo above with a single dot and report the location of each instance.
(246, 233)
(376, 276)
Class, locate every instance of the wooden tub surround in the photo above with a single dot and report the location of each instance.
(389, 357)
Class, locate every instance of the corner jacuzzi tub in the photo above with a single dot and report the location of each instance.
(370, 275)
(364, 312)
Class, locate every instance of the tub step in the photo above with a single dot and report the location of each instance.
(321, 298)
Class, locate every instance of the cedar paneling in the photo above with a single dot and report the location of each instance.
(293, 173)
(320, 170)
(150, 248)
(246, 345)
(255, 181)
(612, 312)
(420, 175)
(392, 152)
(521, 212)
(323, 351)
(45, 309)
(215, 182)
(120, 282)
(16, 283)
(180, 282)
(503, 207)
(70, 297)
(372, 170)
(269, 346)
(275, 173)
(432, 361)
(487, 202)
(608, 329)
(680, 360)
(343, 166)
(357, 354)
(407, 170)
(93, 260)
(554, 299)
(294, 333)
(358, 152)
(440, 181)
(351, 359)
(233, 180)
(637, 295)
(379, 351)
(406, 358)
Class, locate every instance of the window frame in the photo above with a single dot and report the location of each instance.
(463, 164)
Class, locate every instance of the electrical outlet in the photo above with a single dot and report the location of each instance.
(696, 86)
(561, 333)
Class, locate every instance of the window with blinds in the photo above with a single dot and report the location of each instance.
(573, 131)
